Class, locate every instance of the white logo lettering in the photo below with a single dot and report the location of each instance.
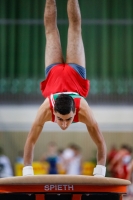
(46, 187)
(58, 187)
(70, 187)
(52, 187)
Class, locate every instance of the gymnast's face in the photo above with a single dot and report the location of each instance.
(64, 120)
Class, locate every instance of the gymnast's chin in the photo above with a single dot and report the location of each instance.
(64, 128)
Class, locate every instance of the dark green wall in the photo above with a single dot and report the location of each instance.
(107, 28)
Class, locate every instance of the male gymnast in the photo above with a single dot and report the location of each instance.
(65, 86)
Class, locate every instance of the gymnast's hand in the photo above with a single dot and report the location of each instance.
(28, 171)
(99, 171)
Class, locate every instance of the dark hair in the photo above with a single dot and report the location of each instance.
(64, 104)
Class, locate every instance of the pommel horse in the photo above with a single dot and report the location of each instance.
(62, 187)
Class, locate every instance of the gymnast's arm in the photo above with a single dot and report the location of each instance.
(95, 133)
(42, 116)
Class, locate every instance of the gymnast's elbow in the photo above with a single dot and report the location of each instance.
(33, 134)
(97, 136)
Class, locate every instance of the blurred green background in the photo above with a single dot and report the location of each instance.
(107, 29)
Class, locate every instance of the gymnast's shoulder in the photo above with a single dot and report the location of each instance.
(85, 113)
(44, 110)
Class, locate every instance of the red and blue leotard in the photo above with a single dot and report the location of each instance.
(63, 78)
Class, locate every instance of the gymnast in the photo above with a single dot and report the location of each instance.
(65, 86)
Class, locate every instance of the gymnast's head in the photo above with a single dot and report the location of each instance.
(64, 110)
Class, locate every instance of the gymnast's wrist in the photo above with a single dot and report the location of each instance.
(99, 171)
(28, 171)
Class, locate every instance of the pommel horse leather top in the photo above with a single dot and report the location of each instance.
(62, 179)
(42, 185)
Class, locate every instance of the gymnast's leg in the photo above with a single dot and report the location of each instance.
(53, 51)
(75, 48)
